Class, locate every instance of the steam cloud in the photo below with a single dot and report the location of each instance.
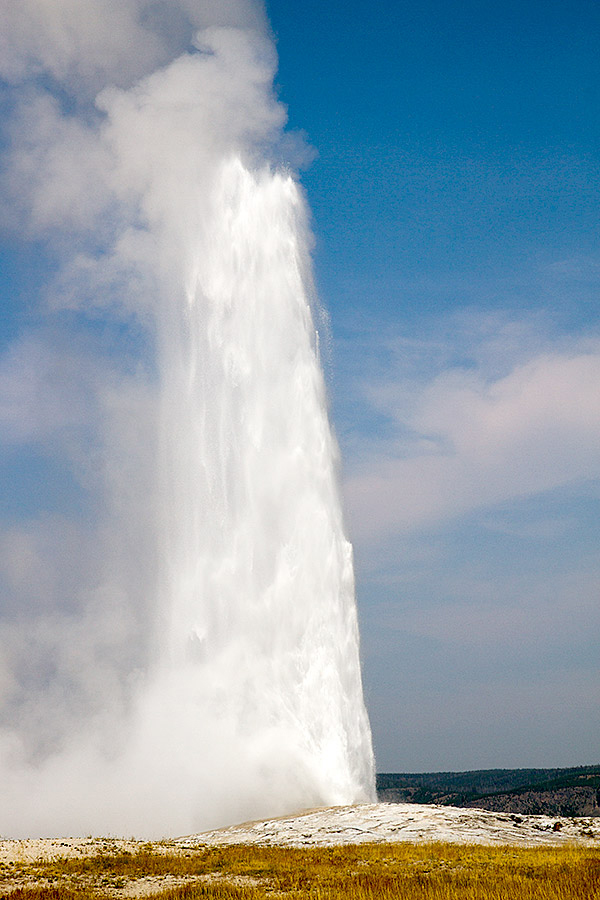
(142, 137)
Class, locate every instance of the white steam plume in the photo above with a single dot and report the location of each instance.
(178, 641)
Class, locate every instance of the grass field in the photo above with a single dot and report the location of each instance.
(366, 872)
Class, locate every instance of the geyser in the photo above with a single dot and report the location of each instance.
(231, 685)
(260, 651)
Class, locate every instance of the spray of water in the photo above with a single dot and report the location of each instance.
(230, 687)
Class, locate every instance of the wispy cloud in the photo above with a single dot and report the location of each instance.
(472, 477)
(482, 420)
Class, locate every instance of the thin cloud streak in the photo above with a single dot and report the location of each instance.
(461, 440)
(472, 481)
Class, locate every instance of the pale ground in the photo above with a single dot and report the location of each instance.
(345, 825)
(405, 822)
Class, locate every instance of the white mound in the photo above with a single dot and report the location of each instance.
(404, 822)
(344, 825)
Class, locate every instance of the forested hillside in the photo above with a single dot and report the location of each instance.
(568, 792)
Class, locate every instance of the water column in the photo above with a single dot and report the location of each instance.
(261, 640)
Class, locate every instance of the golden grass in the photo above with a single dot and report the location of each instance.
(436, 871)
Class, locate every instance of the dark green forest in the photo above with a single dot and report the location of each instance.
(470, 788)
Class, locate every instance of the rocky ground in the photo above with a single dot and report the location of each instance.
(406, 822)
(345, 825)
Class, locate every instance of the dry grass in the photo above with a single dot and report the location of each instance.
(365, 872)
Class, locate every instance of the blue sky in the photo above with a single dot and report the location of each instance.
(455, 195)
(457, 146)
(455, 198)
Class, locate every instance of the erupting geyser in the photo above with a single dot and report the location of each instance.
(245, 698)
(261, 642)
